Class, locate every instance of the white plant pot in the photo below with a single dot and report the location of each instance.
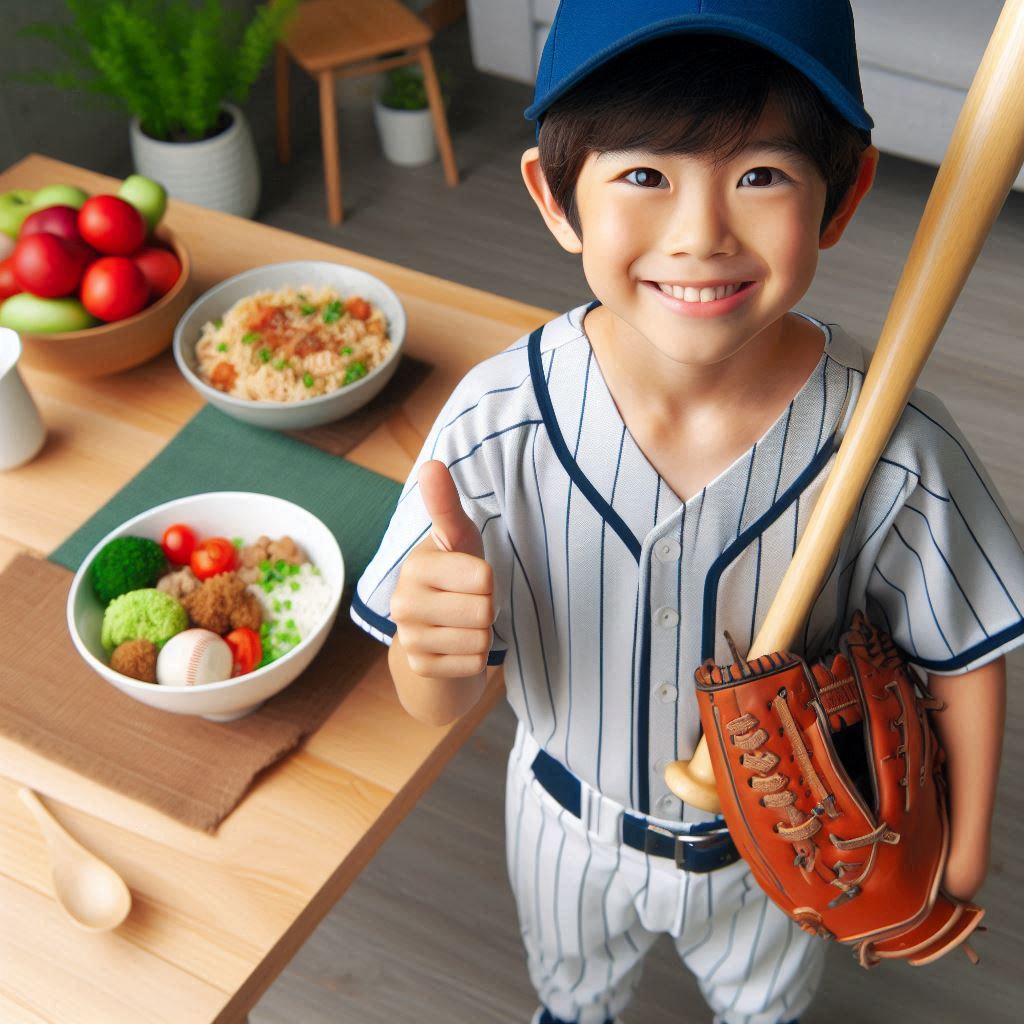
(220, 173)
(406, 136)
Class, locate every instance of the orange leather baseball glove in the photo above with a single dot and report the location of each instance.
(831, 783)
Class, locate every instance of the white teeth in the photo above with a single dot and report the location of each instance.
(706, 294)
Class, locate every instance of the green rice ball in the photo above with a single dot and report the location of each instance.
(147, 614)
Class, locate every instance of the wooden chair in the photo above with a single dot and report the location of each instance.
(332, 39)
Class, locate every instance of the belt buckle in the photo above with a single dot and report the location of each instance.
(677, 839)
(681, 842)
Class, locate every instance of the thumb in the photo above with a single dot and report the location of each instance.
(453, 530)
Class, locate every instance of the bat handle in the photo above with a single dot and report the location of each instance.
(693, 781)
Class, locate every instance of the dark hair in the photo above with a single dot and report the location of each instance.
(692, 94)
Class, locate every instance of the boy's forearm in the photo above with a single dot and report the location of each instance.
(434, 701)
(970, 729)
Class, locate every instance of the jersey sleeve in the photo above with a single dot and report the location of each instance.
(457, 439)
(948, 582)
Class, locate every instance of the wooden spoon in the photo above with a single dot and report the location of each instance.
(92, 893)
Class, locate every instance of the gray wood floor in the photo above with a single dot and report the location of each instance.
(428, 932)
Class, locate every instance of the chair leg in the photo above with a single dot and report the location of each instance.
(281, 71)
(329, 139)
(444, 142)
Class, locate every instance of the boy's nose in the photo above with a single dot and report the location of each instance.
(698, 226)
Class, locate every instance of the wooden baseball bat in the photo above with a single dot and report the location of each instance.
(981, 162)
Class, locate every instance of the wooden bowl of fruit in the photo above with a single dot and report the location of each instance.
(94, 284)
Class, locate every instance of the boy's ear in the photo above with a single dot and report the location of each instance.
(537, 186)
(848, 206)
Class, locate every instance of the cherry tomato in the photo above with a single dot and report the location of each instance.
(111, 225)
(212, 557)
(178, 542)
(358, 308)
(246, 650)
(113, 288)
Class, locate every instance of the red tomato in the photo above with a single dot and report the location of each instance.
(8, 282)
(358, 308)
(113, 288)
(212, 557)
(160, 267)
(48, 265)
(246, 650)
(111, 225)
(178, 542)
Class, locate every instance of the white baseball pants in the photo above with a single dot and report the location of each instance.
(591, 907)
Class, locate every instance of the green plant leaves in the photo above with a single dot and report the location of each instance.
(171, 63)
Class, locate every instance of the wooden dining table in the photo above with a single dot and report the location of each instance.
(215, 918)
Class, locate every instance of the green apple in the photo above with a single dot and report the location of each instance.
(15, 206)
(149, 197)
(29, 314)
(59, 195)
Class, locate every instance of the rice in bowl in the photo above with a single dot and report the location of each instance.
(292, 344)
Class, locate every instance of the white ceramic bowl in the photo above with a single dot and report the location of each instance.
(223, 514)
(309, 412)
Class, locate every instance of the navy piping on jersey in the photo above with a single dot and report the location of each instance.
(386, 626)
(791, 494)
(547, 412)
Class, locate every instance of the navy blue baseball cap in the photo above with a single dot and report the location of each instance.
(814, 36)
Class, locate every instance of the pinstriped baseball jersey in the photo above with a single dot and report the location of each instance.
(611, 590)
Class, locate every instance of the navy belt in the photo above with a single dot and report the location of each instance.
(690, 851)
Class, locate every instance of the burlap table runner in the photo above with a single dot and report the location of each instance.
(191, 769)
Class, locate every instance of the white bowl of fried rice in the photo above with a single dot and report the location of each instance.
(292, 345)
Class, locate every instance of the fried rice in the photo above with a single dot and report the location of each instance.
(292, 344)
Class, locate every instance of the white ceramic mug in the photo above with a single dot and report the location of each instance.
(21, 429)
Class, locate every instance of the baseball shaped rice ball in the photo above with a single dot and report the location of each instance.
(193, 657)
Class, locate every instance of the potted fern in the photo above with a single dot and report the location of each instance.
(180, 68)
(403, 117)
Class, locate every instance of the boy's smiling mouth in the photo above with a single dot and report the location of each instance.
(699, 292)
(701, 299)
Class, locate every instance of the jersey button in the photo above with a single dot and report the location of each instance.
(669, 804)
(666, 550)
(666, 692)
(666, 617)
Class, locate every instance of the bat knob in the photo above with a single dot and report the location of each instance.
(693, 781)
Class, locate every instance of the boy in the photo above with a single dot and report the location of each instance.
(636, 474)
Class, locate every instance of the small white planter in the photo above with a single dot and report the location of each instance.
(220, 173)
(406, 136)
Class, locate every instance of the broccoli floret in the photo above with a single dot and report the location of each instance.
(126, 564)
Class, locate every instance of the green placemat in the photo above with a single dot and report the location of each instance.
(214, 452)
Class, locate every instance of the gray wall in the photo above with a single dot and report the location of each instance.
(40, 119)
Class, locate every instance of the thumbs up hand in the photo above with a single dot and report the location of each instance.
(443, 603)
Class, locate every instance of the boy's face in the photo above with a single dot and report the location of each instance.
(660, 232)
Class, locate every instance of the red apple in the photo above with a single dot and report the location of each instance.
(48, 265)
(114, 288)
(111, 225)
(55, 220)
(160, 267)
(8, 282)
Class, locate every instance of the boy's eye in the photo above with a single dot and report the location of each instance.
(646, 177)
(759, 177)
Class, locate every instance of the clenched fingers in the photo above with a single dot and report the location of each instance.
(444, 640)
(449, 570)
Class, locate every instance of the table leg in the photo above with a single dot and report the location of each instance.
(329, 138)
(444, 142)
(281, 72)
